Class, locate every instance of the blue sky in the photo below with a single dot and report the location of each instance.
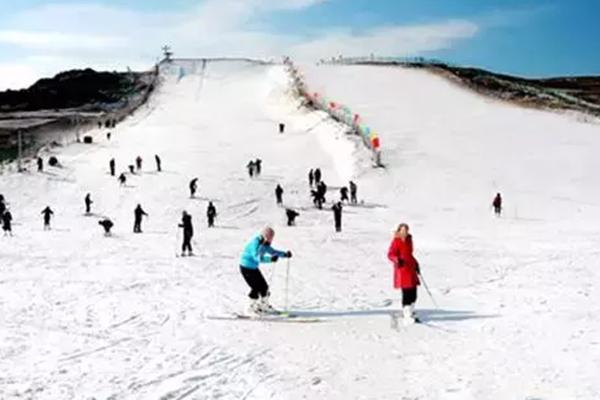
(525, 37)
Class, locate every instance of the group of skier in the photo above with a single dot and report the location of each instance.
(254, 168)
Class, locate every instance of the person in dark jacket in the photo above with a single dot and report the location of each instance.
(497, 204)
(337, 216)
(2, 205)
(108, 135)
(132, 169)
(251, 167)
(291, 216)
(7, 223)
(40, 164)
(344, 194)
(107, 224)
(138, 163)
(188, 233)
(211, 214)
(158, 163)
(318, 200)
(322, 189)
(317, 176)
(47, 213)
(353, 190)
(138, 214)
(258, 166)
(193, 187)
(281, 127)
(122, 179)
(279, 194)
(88, 203)
(311, 178)
(111, 165)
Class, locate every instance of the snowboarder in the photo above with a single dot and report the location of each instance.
(337, 216)
(257, 251)
(406, 272)
(158, 163)
(107, 224)
(138, 163)
(251, 167)
(111, 164)
(258, 166)
(317, 176)
(7, 223)
(193, 187)
(138, 214)
(47, 213)
(40, 164)
(211, 214)
(88, 203)
(188, 233)
(291, 216)
(281, 127)
(344, 194)
(311, 177)
(497, 204)
(122, 179)
(279, 194)
(353, 190)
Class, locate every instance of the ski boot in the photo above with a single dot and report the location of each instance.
(265, 307)
(408, 316)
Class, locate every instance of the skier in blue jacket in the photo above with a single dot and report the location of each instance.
(257, 251)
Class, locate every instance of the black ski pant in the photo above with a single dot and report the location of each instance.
(137, 226)
(187, 243)
(409, 296)
(258, 285)
(211, 222)
(338, 224)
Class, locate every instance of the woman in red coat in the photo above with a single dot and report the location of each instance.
(406, 270)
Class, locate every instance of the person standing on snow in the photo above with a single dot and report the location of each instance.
(279, 194)
(40, 164)
(2, 205)
(7, 222)
(88, 203)
(47, 212)
(337, 216)
(311, 178)
(406, 271)
(111, 164)
(158, 163)
(122, 179)
(188, 233)
(353, 190)
(344, 194)
(257, 251)
(193, 187)
(138, 214)
(138, 163)
(258, 166)
(497, 204)
(317, 176)
(291, 216)
(211, 214)
(251, 167)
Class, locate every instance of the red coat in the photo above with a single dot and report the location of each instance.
(405, 265)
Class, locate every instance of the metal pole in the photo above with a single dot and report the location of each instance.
(428, 291)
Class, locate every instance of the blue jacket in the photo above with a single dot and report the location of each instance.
(256, 253)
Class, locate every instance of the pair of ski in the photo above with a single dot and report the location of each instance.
(275, 316)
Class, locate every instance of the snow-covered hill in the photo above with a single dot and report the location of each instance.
(84, 316)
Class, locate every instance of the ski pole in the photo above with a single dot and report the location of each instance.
(428, 291)
(287, 283)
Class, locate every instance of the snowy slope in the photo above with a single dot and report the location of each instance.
(85, 316)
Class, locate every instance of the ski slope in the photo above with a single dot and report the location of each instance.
(84, 316)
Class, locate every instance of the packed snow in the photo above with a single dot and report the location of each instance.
(85, 316)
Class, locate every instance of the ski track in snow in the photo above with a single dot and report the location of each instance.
(84, 316)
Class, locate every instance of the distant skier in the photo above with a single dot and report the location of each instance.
(158, 163)
(251, 167)
(279, 194)
(107, 224)
(122, 179)
(47, 213)
(322, 189)
(353, 190)
(497, 204)
(138, 163)
(281, 127)
(108, 136)
(138, 214)
(40, 164)
(291, 216)
(132, 169)
(317, 176)
(211, 214)
(193, 187)
(7, 223)
(257, 251)
(311, 178)
(88, 203)
(344, 194)
(111, 165)
(406, 271)
(318, 199)
(337, 216)
(2, 205)
(258, 166)
(188, 233)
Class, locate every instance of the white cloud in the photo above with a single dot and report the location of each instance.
(60, 36)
